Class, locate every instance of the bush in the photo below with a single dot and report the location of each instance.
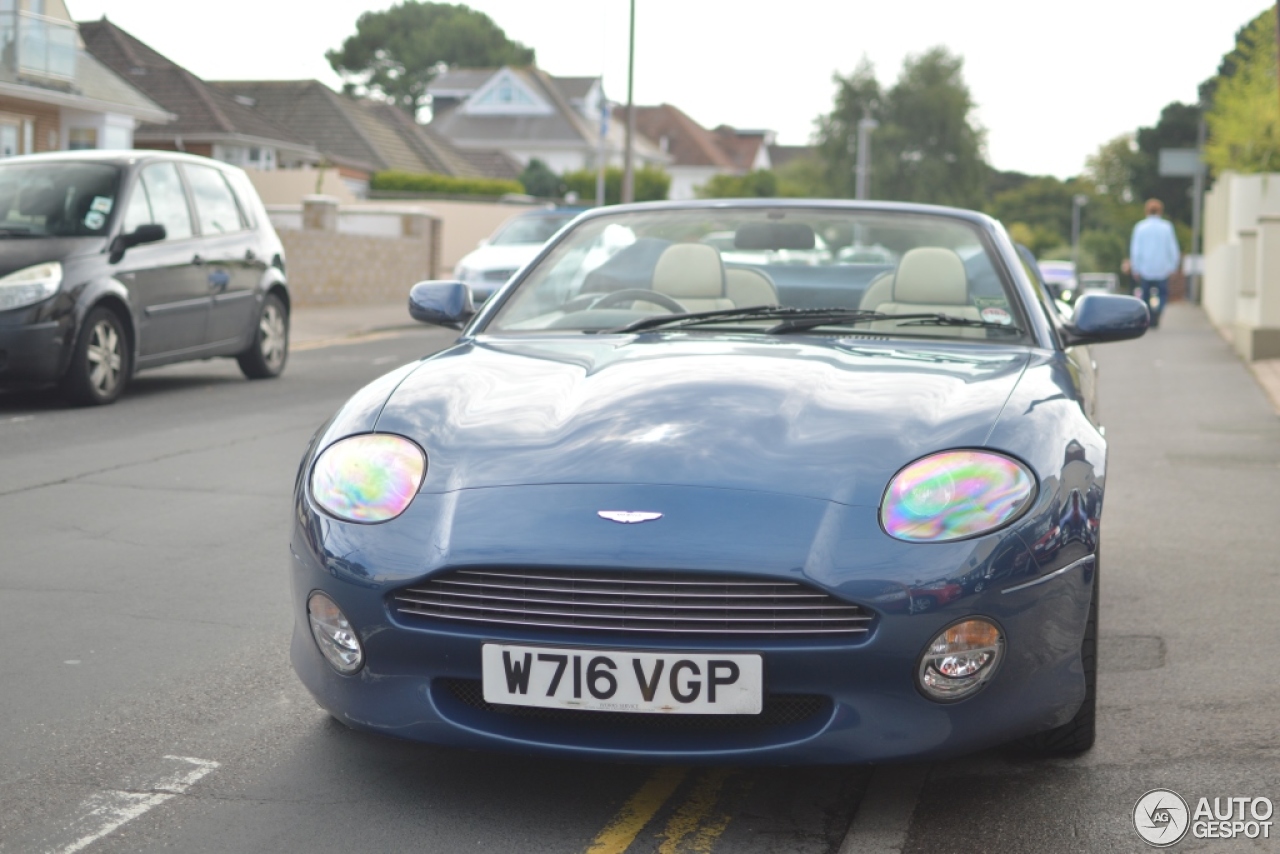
(651, 184)
(429, 182)
(539, 180)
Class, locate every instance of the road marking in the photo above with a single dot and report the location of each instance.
(883, 818)
(638, 811)
(105, 812)
(18, 419)
(693, 818)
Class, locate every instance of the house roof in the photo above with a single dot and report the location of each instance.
(687, 142)
(741, 146)
(561, 124)
(201, 110)
(364, 134)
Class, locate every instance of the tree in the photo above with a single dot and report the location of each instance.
(759, 183)
(396, 53)
(1244, 121)
(1177, 128)
(926, 148)
(539, 180)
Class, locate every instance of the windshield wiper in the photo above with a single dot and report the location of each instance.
(921, 319)
(10, 231)
(789, 314)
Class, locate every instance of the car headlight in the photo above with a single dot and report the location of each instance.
(960, 660)
(338, 642)
(368, 478)
(462, 274)
(954, 495)
(30, 285)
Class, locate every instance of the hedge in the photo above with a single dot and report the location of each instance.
(428, 182)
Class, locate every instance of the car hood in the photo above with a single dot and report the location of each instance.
(19, 252)
(825, 419)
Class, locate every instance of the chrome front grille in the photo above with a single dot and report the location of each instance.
(632, 602)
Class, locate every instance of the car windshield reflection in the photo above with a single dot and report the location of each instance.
(921, 275)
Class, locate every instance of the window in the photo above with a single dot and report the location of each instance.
(139, 210)
(80, 139)
(215, 203)
(168, 201)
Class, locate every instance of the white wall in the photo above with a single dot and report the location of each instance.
(1241, 292)
(114, 131)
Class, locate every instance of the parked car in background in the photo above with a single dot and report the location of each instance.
(1060, 276)
(740, 518)
(514, 244)
(1099, 283)
(113, 262)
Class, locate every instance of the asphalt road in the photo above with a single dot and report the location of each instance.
(147, 704)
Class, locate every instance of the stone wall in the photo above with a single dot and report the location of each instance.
(325, 266)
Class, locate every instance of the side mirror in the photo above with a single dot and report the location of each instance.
(442, 303)
(1098, 318)
(149, 233)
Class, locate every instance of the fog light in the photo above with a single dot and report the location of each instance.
(960, 660)
(334, 636)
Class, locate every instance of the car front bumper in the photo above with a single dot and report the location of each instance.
(33, 351)
(834, 701)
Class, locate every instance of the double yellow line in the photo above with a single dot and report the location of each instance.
(694, 825)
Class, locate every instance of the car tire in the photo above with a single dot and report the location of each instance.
(269, 351)
(1077, 735)
(100, 360)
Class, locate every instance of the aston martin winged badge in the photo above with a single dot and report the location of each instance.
(628, 517)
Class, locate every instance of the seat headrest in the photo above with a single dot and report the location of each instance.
(691, 270)
(931, 275)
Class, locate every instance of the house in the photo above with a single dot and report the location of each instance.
(208, 122)
(360, 137)
(529, 114)
(55, 96)
(697, 154)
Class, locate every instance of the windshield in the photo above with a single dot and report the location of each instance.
(531, 228)
(57, 198)
(858, 271)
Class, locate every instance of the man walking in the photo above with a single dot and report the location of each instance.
(1153, 256)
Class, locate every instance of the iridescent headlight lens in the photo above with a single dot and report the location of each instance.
(368, 478)
(954, 495)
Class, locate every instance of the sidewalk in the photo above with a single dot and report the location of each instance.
(312, 325)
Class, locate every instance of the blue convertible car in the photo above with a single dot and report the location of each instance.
(828, 492)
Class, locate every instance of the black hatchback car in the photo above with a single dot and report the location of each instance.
(111, 262)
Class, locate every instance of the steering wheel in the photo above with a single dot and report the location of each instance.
(640, 295)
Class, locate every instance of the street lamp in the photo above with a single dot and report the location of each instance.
(862, 171)
(628, 165)
(1077, 202)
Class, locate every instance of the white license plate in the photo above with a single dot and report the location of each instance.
(690, 683)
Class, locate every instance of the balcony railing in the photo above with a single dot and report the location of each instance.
(38, 46)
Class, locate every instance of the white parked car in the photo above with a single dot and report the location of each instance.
(1060, 276)
(513, 245)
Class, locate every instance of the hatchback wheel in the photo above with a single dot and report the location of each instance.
(100, 362)
(266, 357)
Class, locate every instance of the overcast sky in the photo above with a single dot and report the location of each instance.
(1052, 81)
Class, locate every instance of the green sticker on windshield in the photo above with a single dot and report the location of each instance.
(990, 302)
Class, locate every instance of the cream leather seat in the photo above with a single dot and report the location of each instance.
(691, 273)
(928, 279)
(748, 287)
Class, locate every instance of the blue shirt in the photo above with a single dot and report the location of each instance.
(1153, 250)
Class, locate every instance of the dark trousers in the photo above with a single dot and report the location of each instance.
(1161, 287)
